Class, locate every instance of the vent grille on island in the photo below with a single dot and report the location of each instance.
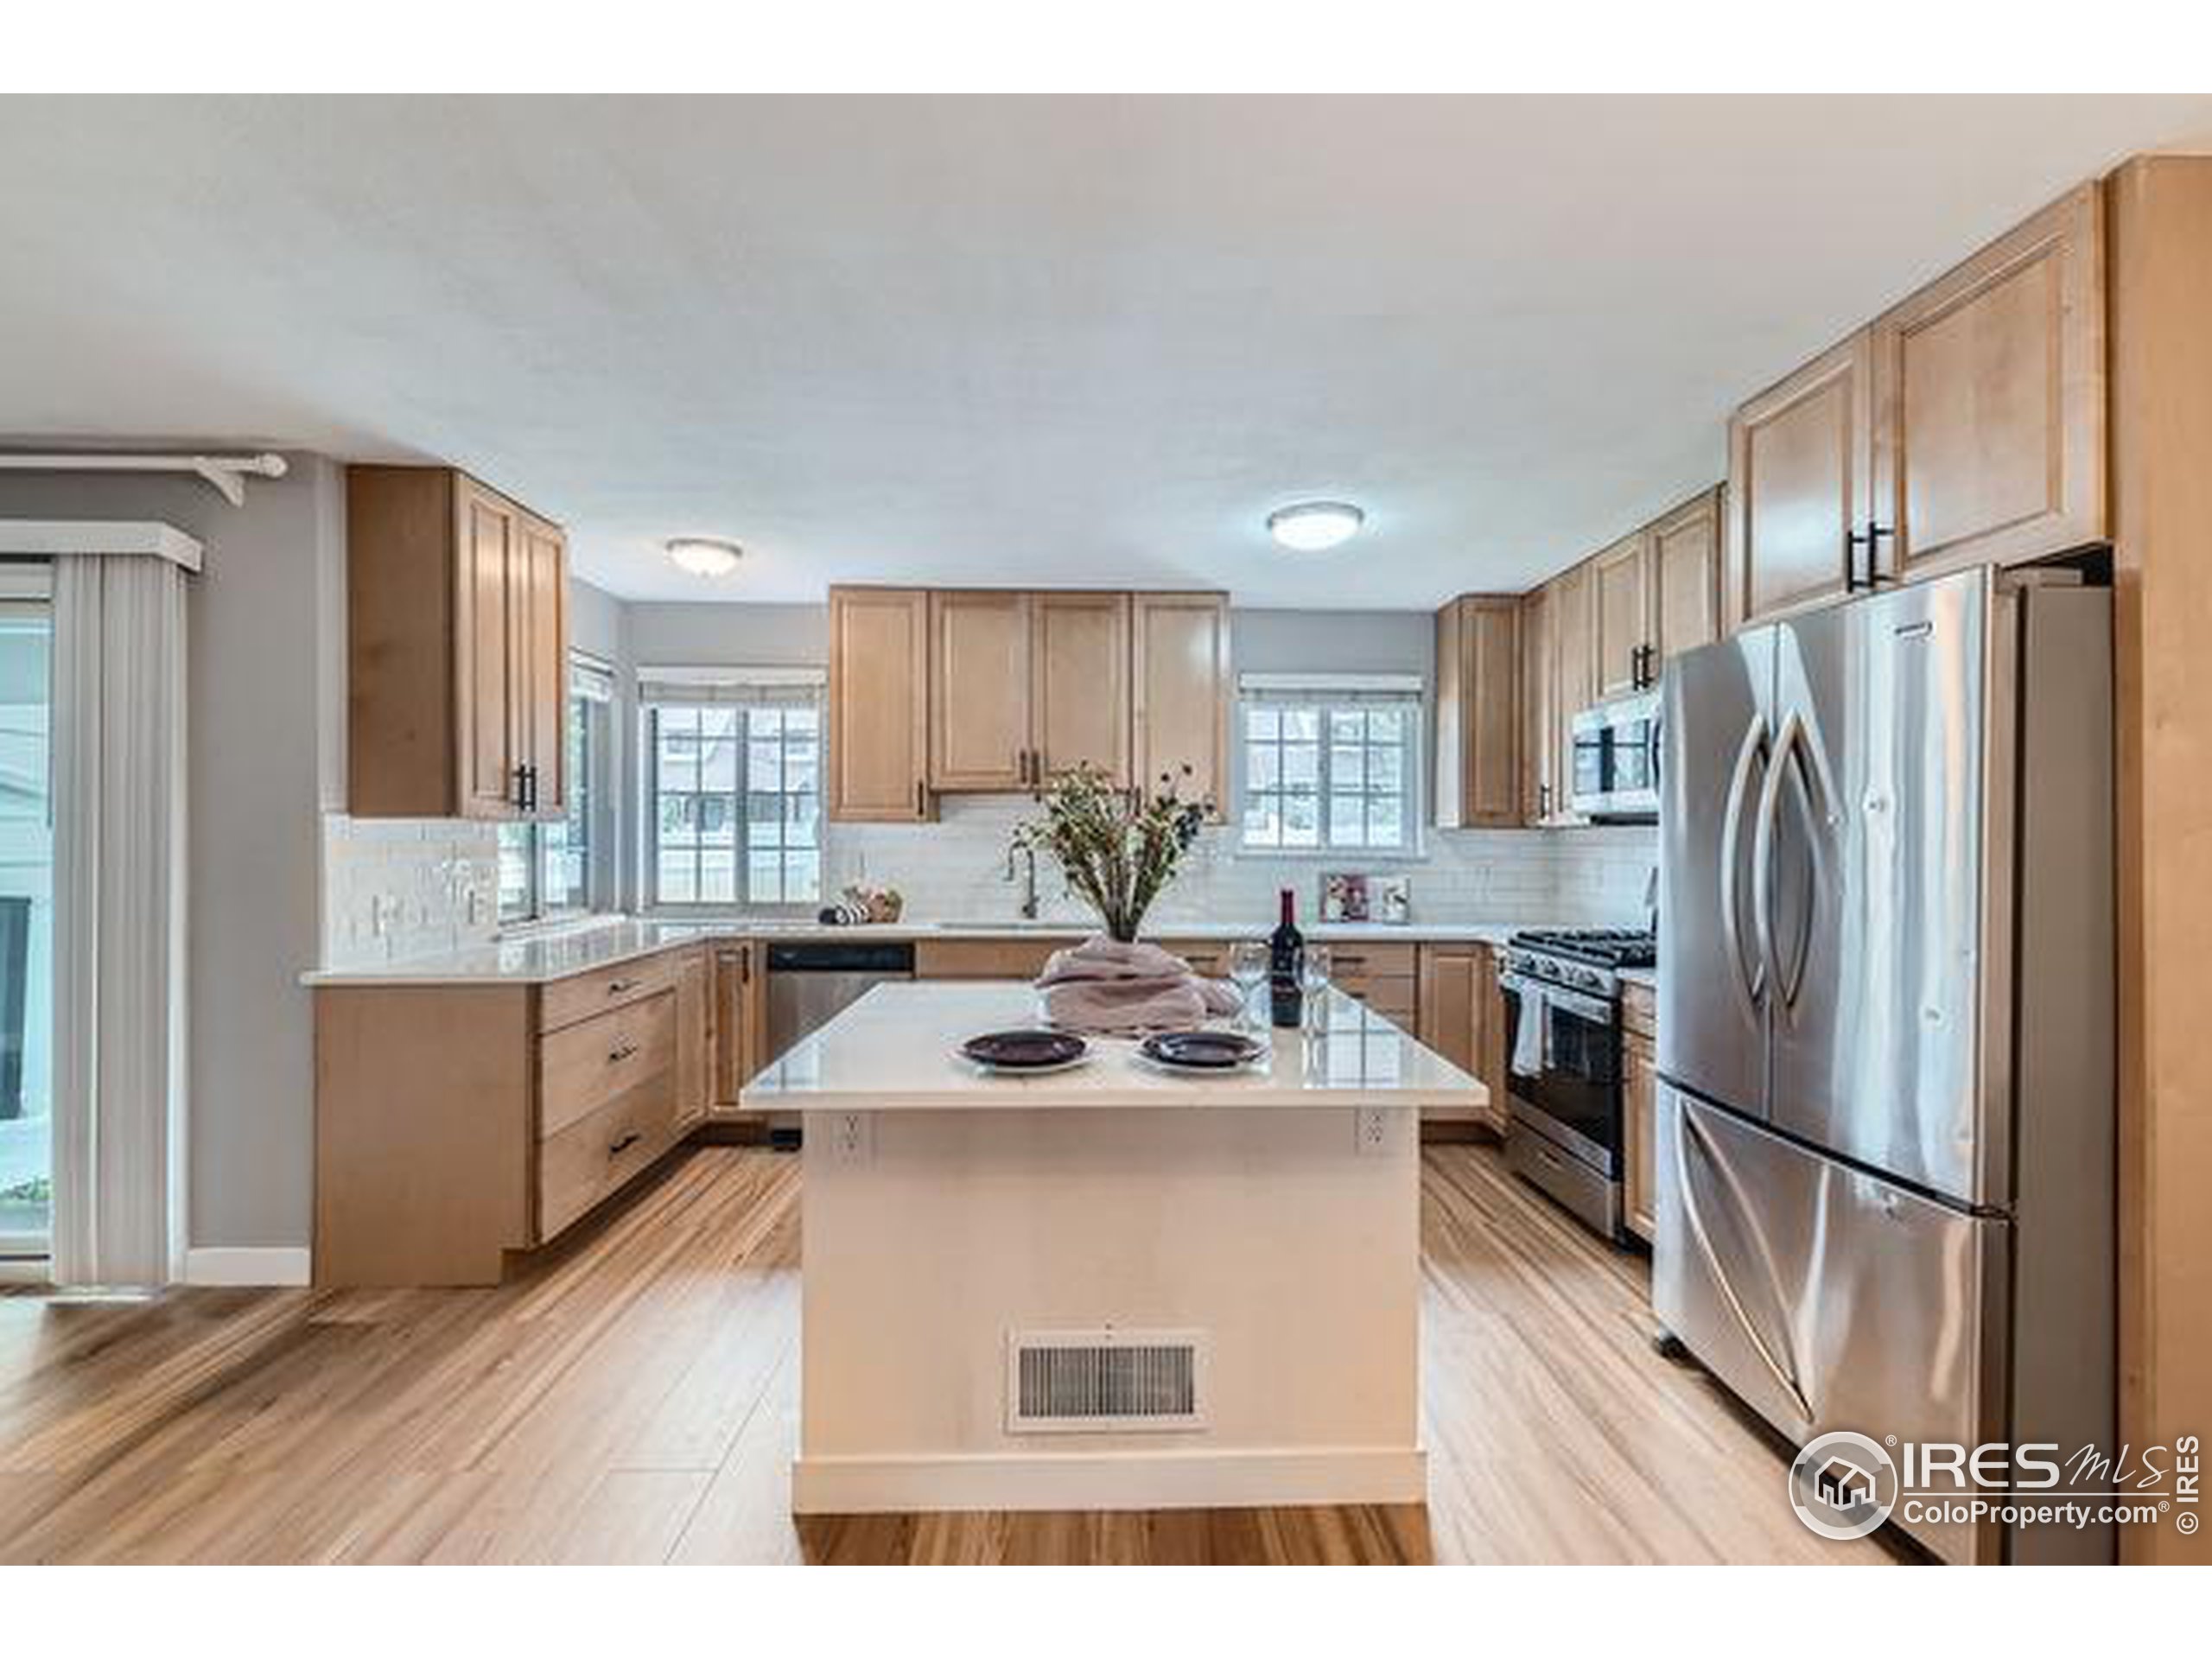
(1105, 1380)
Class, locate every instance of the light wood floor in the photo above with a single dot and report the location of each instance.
(635, 1399)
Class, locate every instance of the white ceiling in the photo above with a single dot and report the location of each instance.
(1052, 341)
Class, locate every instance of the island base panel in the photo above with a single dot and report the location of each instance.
(1287, 1241)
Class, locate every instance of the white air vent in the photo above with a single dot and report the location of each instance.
(1104, 1381)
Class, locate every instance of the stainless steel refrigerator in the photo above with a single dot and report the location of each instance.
(1885, 1182)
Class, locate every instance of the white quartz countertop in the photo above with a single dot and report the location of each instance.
(895, 1050)
(587, 946)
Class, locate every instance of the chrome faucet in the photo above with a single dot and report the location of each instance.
(1028, 879)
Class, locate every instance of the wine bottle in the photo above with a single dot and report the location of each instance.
(1286, 957)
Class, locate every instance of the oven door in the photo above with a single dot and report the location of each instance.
(1563, 1053)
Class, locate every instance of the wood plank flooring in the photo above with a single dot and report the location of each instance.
(634, 1398)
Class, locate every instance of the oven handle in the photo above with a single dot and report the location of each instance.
(1590, 1008)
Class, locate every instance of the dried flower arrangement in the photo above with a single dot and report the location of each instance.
(1117, 848)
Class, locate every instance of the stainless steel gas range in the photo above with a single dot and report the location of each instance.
(1563, 1042)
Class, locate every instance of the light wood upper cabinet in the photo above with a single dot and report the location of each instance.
(1540, 776)
(540, 629)
(1799, 485)
(1621, 616)
(1179, 651)
(1079, 703)
(1989, 402)
(1574, 677)
(457, 650)
(1477, 769)
(492, 612)
(879, 704)
(980, 657)
(1686, 576)
(1965, 426)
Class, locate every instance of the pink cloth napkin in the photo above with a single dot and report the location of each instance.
(1102, 985)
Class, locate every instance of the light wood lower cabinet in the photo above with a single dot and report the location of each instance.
(697, 1048)
(1640, 1101)
(1000, 958)
(456, 1123)
(1462, 1019)
(741, 1023)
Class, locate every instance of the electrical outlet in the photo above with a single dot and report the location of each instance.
(1372, 1128)
(850, 1137)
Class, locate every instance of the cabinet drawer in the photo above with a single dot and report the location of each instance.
(602, 1150)
(984, 959)
(567, 1001)
(1206, 956)
(1366, 961)
(581, 1067)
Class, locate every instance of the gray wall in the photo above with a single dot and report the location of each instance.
(260, 720)
(600, 623)
(1335, 642)
(1322, 642)
(713, 636)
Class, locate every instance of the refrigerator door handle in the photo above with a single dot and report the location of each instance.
(1687, 1189)
(1748, 982)
(1787, 746)
(1793, 749)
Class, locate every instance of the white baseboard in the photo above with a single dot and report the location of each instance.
(226, 1264)
(1109, 1480)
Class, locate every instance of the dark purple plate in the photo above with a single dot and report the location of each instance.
(1202, 1051)
(1025, 1051)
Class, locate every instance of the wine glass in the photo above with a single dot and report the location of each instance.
(1247, 971)
(1313, 981)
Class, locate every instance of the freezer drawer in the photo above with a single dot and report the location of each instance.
(1826, 1299)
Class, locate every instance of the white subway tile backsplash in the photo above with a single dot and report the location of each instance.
(957, 869)
(394, 888)
(398, 887)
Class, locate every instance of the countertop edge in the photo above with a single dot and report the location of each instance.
(483, 965)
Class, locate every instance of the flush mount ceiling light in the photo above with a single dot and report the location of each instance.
(704, 556)
(1309, 526)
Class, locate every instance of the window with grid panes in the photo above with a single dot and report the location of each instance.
(1325, 770)
(736, 805)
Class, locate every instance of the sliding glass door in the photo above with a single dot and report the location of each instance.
(26, 913)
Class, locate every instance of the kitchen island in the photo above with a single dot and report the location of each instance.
(1108, 1287)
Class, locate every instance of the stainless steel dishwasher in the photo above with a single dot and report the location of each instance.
(809, 982)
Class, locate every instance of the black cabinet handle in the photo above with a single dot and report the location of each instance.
(615, 1149)
(1870, 538)
(616, 1056)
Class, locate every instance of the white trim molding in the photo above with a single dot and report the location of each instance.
(233, 1264)
(1263, 1478)
(46, 538)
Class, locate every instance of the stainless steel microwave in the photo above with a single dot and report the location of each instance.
(1616, 760)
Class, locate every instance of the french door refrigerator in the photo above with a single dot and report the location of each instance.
(1885, 1023)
